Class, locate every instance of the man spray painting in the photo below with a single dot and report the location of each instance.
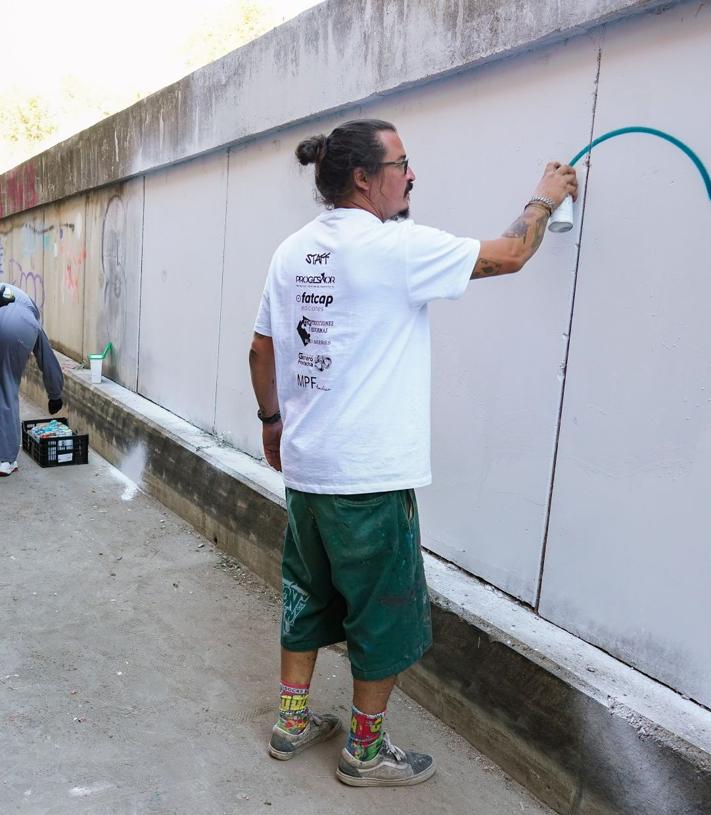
(352, 437)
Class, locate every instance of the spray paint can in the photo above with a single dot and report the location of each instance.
(562, 218)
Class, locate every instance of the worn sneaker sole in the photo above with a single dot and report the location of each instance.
(283, 755)
(353, 781)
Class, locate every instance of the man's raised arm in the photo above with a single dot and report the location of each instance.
(519, 243)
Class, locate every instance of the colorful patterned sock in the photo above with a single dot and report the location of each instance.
(366, 734)
(293, 708)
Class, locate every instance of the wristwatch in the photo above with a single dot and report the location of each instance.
(273, 419)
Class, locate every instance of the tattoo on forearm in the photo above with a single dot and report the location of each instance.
(488, 268)
(519, 229)
(539, 230)
(530, 228)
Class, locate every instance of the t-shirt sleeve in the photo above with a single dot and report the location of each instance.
(263, 323)
(439, 265)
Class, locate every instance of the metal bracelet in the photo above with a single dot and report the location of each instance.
(547, 202)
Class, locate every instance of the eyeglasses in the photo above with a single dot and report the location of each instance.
(401, 162)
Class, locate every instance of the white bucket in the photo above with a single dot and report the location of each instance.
(96, 370)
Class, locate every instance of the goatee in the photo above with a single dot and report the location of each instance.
(403, 215)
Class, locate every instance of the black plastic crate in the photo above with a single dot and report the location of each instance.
(59, 451)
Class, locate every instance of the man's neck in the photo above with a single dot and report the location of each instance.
(360, 201)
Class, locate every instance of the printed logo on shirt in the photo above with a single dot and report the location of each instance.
(314, 302)
(318, 257)
(318, 361)
(306, 381)
(316, 280)
(307, 328)
(302, 329)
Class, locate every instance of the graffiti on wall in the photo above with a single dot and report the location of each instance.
(64, 242)
(49, 260)
(113, 270)
(23, 268)
(22, 259)
(19, 190)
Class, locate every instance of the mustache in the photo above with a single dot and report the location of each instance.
(410, 185)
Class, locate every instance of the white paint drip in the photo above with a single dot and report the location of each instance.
(99, 786)
(131, 472)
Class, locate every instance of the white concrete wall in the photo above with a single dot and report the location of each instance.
(624, 566)
(267, 199)
(628, 561)
(181, 290)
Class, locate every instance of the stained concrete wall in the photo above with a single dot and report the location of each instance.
(64, 273)
(186, 248)
(335, 55)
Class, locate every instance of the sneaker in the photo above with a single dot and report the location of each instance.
(284, 746)
(7, 467)
(392, 767)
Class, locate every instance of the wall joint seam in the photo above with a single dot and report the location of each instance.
(566, 355)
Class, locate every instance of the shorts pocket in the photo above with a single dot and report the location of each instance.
(364, 499)
(408, 499)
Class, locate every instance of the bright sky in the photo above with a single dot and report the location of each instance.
(124, 42)
(116, 49)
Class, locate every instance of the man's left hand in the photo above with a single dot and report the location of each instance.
(271, 441)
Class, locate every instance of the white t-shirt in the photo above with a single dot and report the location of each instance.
(345, 303)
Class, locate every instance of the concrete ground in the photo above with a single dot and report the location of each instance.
(139, 671)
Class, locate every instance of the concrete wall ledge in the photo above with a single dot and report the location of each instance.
(382, 46)
(585, 733)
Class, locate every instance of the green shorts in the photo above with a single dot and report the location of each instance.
(352, 570)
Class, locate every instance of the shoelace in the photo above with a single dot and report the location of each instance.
(392, 749)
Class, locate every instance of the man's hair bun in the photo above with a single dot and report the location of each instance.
(311, 150)
(351, 145)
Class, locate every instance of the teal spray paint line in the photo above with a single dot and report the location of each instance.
(564, 223)
(562, 219)
(652, 132)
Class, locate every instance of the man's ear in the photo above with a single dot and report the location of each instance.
(360, 179)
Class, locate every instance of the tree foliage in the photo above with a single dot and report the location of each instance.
(34, 118)
(237, 25)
